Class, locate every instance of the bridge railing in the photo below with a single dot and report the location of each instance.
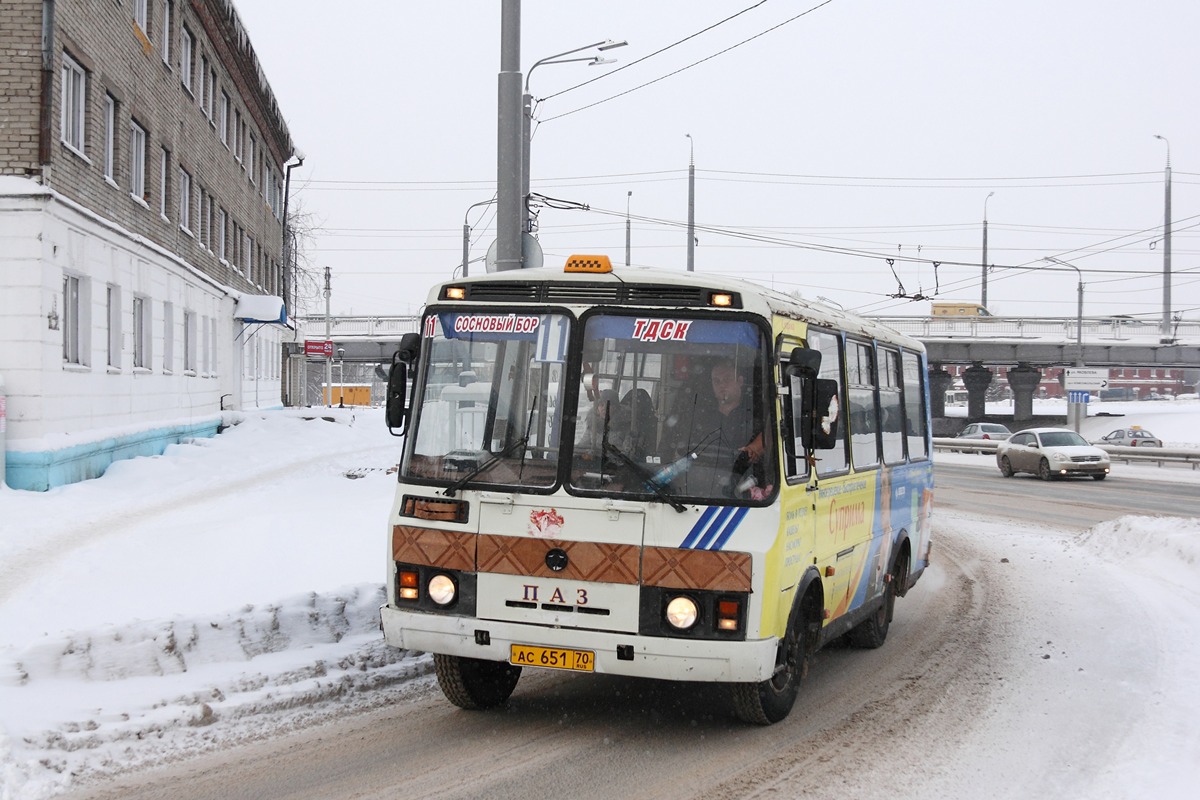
(1155, 455)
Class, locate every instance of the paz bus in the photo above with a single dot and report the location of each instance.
(654, 474)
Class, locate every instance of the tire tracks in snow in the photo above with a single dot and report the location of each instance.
(22, 567)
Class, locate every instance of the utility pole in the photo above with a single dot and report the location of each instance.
(1166, 314)
(510, 217)
(328, 352)
(628, 228)
(983, 296)
(691, 233)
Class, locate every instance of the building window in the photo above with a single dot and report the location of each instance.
(72, 343)
(185, 200)
(187, 44)
(137, 162)
(164, 180)
(251, 147)
(237, 135)
(189, 342)
(110, 135)
(74, 102)
(114, 326)
(168, 336)
(222, 233)
(208, 84)
(141, 333)
(165, 32)
(210, 112)
(223, 123)
(139, 14)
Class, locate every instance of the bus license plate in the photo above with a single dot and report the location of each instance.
(553, 658)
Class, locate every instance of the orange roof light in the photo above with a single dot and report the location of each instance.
(593, 264)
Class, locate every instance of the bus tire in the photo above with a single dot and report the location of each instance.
(770, 701)
(473, 683)
(872, 632)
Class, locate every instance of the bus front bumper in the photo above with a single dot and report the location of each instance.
(645, 656)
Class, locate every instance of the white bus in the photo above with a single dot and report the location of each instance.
(651, 474)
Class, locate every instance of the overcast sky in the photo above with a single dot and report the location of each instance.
(875, 129)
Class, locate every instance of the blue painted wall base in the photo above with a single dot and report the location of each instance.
(41, 470)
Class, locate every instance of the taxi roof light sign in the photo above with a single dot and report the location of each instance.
(592, 264)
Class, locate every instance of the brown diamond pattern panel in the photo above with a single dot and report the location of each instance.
(430, 547)
(587, 561)
(696, 569)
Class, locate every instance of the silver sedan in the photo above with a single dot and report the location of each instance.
(1051, 453)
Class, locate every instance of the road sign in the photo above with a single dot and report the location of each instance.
(316, 347)
(1079, 397)
(1085, 379)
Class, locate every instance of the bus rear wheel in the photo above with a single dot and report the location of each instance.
(873, 631)
(473, 683)
(769, 701)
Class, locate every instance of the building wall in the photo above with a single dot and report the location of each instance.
(84, 262)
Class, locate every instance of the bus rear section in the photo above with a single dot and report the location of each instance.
(598, 485)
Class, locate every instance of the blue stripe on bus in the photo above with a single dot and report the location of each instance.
(730, 528)
(698, 529)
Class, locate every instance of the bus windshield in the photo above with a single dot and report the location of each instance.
(672, 407)
(490, 408)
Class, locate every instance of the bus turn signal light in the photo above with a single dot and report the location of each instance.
(407, 584)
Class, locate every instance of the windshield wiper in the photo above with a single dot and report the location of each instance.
(486, 465)
(479, 468)
(644, 475)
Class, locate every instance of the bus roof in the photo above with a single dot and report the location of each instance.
(662, 289)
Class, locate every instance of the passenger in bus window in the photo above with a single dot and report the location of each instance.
(606, 413)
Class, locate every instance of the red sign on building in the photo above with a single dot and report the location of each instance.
(316, 347)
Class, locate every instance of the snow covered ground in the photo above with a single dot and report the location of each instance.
(230, 588)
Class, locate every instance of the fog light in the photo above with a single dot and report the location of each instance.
(441, 589)
(682, 612)
(408, 584)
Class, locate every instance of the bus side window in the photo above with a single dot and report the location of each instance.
(834, 456)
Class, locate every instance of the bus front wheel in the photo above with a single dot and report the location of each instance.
(473, 683)
(769, 701)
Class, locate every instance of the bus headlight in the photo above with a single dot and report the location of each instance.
(442, 589)
(682, 612)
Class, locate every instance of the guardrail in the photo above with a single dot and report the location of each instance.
(1157, 455)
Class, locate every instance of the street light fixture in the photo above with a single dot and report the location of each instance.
(467, 233)
(1079, 308)
(527, 107)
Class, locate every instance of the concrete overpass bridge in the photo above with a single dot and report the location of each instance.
(1021, 348)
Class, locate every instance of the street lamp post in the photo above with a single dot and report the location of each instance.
(467, 233)
(1166, 314)
(341, 378)
(984, 263)
(628, 228)
(1073, 410)
(691, 225)
(527, 109)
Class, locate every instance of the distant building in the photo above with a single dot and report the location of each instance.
(142, 159)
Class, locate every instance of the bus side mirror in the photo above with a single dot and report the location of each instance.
(395, 409)
(814, 401)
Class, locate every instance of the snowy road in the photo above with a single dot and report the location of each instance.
(1027, 664)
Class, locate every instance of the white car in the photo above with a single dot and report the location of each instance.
(1134, 436)
(985, 430)
(1051, 453)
